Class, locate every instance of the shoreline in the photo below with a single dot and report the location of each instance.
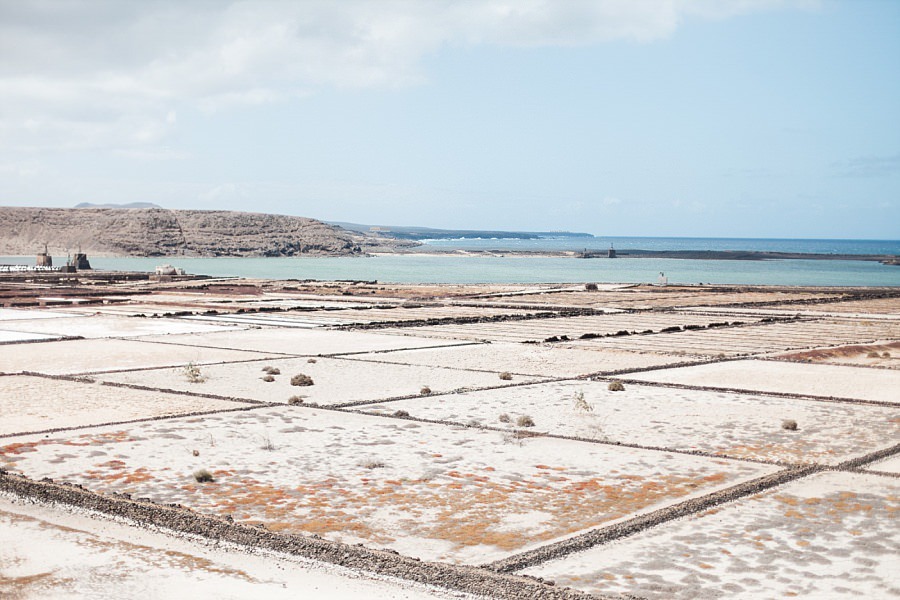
(742, 255)
(750, 255)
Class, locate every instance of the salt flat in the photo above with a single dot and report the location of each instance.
(736, 425)
(17, 337)
(336, 381)
(572, 327)
(437, 492)
(46, 552)
(755, 339)
(543, 360)
(889, 465)
(441, 476)
(831, 535)
(798, 378)
(38, 403)
(304, 342)
(17, 314)
(82, 356)
(103, 326)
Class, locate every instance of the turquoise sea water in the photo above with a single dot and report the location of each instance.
(526, 269)
(515, 269)
(622, 244)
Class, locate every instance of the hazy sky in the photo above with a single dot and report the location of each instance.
(741, 118)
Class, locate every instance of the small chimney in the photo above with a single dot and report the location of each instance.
(44, 259)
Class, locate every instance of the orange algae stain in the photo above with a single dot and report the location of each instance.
(20, 447)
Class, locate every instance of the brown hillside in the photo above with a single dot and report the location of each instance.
(160, 232)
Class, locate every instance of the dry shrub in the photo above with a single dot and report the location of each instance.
(425, 391)
(506, 376)
(885, 355)
(504, 418)
(203, 476)
(401, 413)
(372, 464)
(591, 287)
(193, 374)
(271, 370)
(268, 378)
(525, 421)
(615, 386)
(301, 380)
(295, 400)
(581, 404)
(311, 361)
(873, 354)
(789, 425)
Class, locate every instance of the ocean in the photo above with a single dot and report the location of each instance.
(526, 269)
(623, 244)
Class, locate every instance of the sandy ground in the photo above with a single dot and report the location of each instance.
(336, 381)
(544, 360)
(883, 354)
(46, 552)
(736, 425)
(437, 492)
(799, 378)
(38, 403)
(83, 356)
(304, 342)
(832, 535)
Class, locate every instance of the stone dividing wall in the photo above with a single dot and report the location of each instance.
(637, 524)
(473, 580)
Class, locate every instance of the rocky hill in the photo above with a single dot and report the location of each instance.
(160, 232)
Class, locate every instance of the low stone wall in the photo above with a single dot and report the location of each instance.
(473, 580)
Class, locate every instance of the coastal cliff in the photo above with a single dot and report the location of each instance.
(160, 232)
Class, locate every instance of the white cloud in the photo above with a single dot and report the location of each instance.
(101, 73)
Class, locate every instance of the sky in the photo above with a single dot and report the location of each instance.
(694, 118)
